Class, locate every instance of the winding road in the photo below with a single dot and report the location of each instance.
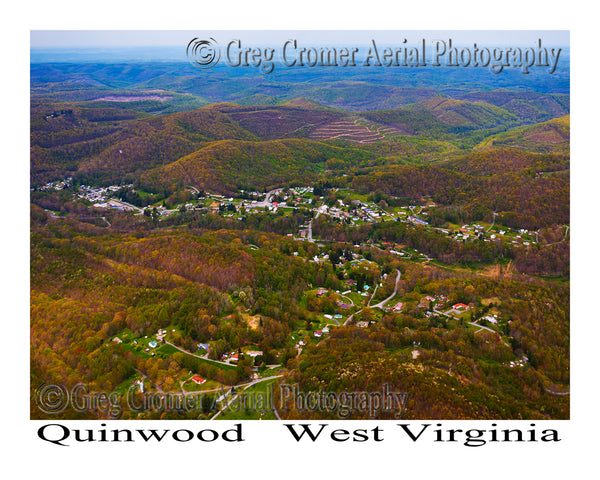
(246, 386)
(383, 302)
(198, 356)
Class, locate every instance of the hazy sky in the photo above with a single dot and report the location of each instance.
(134, 38)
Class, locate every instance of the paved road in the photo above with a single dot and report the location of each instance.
(373, 295)
(560, 241)
(245, 385)
(349, 319)
(146, 377)
(482, 327)
(309, 237)
(383, 302)
(267, 199)
(128, 205)
(489, 330)
(471, 323)
(560, 394)
(347, 298)
(198, 356)
(493, 221)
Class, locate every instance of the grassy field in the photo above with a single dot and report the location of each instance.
(217, 364)
(254, 403)
(166, 350)
(191, 386)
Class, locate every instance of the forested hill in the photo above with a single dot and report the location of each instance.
(107, 144)
(231, 165)
(116, 142)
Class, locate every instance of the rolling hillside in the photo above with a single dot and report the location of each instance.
(282, 121)
(530, 107)
(463, 113)
(227, 165)
(111, 145)
(441, 115)
(551, 136)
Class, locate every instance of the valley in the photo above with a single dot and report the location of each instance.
(221, 237)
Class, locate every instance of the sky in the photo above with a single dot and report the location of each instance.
(149, 38)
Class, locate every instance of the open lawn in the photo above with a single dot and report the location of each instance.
(191, 386)
(253, 403)
(166, 350)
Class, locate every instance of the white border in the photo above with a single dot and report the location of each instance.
(272, 455)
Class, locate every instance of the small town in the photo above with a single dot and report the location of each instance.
(354, 210)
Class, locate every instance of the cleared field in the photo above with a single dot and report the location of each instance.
(281, 122)
(346, 130)
(355, 131)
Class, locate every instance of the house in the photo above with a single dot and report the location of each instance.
(398, 307)
(417, 221)
(198, 380)
(460, 306)
(318, 333)
(254, 353)
(203, 346)
(321, 291)
(337, 316)
(140, 383)
(234, 358)
(325, 330)
(153, 344)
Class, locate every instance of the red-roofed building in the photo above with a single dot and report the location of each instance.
(198, 380)
(234, 358)
(459, 306)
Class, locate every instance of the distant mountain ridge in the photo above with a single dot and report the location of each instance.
(552, 136)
